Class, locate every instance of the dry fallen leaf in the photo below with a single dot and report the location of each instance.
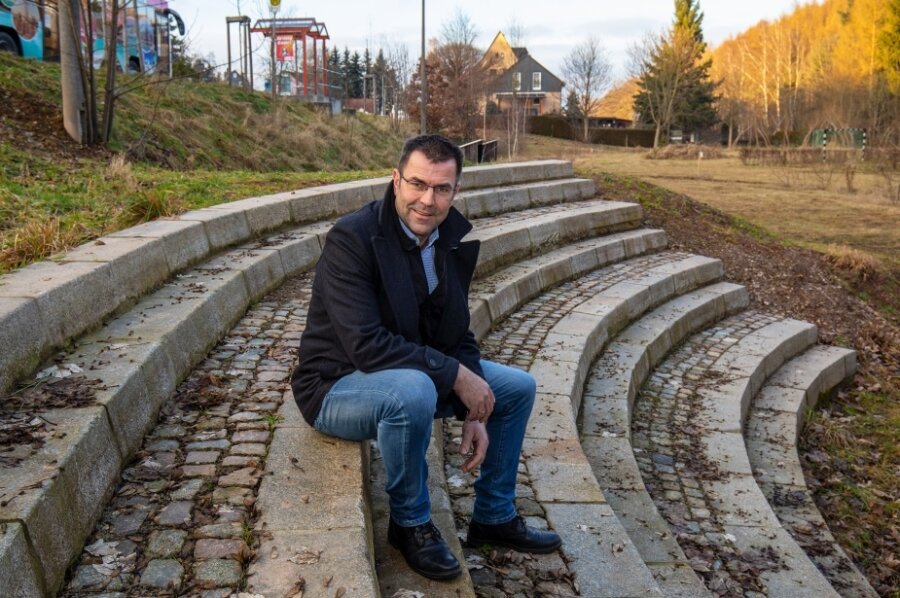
(306, 556)
(297, 589)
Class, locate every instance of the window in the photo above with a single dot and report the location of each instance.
(536, 81)
(517, 81)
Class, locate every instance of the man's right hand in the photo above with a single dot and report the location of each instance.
(475, 394)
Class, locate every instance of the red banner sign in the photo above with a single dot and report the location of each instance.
(284, 48)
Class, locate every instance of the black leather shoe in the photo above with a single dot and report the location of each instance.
(513, 534)
(424, 550)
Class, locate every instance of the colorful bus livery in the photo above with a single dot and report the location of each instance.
(30, 29)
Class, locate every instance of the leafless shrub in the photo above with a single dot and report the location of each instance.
(687, 151)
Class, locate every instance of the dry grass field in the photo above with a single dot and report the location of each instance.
(807, 206)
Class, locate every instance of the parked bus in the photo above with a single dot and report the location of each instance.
(30, 28)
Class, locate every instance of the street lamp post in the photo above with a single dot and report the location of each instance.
(424, 82)
(273, 7)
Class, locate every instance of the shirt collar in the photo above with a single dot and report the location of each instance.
(428, 243)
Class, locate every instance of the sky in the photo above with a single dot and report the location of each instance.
(550, 29)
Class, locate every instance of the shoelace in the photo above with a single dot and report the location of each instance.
(427, 532)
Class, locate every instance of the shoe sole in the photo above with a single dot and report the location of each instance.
(436, 577)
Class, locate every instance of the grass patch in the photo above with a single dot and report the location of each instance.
(177, 146)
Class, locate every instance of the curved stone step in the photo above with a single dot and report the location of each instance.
(137, 359)
(494, 297)
(498, 200)
(55, 301)
(606, 423)
(596, 547)
(688, 443)
(566, 485)
(771, 434)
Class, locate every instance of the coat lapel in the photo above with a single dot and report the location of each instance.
(395, 276)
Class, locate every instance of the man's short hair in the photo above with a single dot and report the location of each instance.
(436, 148)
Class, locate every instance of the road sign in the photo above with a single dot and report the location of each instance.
(274, 5)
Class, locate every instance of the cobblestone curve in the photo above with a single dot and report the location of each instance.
(771, 431)
(604, 424)
(515, 341)
(181, 519)
(667, 446)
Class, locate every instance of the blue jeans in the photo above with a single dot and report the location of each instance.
(397, 407)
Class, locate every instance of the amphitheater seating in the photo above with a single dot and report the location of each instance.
(619, 399)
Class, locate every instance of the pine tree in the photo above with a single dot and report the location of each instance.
(694, 108)
(345, 75)
(572, 111)
(381, 79)
(335, 74)
(354, 76)
(675, 89)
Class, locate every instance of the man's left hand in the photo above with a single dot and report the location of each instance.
(474, 444)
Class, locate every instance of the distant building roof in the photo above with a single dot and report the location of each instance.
(618, 102)
(501, 57)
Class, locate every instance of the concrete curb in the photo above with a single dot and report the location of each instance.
(772, 431)
(44, 305)
(606, 423)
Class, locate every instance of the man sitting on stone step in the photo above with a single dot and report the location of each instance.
(387, 349)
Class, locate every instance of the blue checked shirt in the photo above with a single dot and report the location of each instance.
(427, 253)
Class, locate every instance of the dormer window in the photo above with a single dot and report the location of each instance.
(517, 81)
(536, 81)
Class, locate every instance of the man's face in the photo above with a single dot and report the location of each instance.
(425, 192)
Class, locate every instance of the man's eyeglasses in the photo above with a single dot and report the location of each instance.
(444, 190)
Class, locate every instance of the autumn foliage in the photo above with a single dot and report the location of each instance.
(829, 65)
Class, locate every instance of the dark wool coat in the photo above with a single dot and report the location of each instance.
(364, 315)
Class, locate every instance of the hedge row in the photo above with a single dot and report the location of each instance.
(562, 128)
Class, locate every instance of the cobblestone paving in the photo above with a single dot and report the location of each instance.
(669, 453)
(514, 342)
(181, 520)
(501, 573)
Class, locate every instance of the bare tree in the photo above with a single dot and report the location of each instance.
(515, 32)
(588, 70)
(397, 56)
(460, 30)
(458, 65)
